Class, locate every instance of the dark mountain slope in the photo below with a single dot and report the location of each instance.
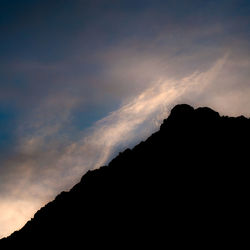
(186, 185)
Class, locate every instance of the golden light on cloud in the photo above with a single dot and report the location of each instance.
(14, 214)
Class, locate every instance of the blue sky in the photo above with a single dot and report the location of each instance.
(81, 80)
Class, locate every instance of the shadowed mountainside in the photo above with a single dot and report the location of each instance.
(186, 185)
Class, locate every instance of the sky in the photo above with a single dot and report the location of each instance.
(82, 80)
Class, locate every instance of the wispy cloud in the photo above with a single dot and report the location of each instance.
(38, 167)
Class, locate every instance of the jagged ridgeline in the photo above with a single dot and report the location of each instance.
(187, 185)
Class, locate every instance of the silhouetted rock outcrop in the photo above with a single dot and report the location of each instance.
(186, 185)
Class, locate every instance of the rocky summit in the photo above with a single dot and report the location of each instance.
(187, 185)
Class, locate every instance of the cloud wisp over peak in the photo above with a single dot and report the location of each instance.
(82, 80)
(43, 169)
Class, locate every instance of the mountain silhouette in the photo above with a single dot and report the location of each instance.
(186, 185)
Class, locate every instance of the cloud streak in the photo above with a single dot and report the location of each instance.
(38, 167)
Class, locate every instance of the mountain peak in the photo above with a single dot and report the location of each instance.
(181, 109)
(185, 185)
(184, 115)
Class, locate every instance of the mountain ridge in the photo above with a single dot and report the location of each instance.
(180, 178)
